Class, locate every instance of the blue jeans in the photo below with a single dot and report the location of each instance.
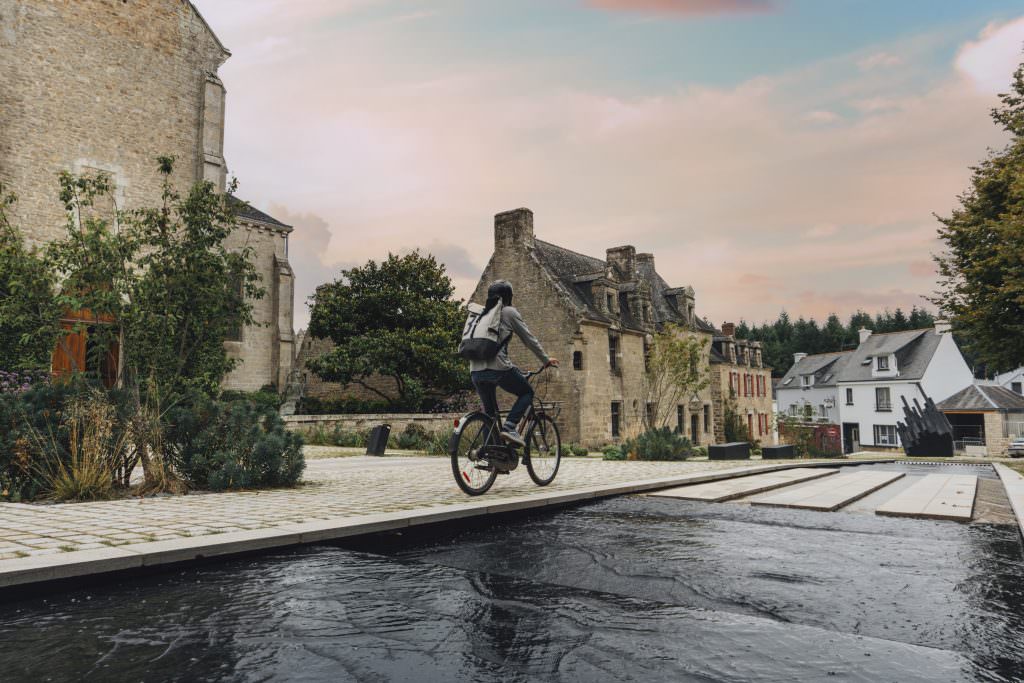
(512, 381)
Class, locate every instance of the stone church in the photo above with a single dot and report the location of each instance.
(597, 316)
(107, 86)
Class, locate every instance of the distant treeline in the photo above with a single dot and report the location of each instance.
(782, 338)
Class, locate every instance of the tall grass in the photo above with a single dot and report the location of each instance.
(83, 467)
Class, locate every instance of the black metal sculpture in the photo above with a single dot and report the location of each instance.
(925, 432)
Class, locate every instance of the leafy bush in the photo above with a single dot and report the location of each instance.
(658, 444)
(577, 450)
(266, 397)
(23, 415)
(221, 445)
(322, 436)
(439, 442)
(413, 438)
(613, 452)
(311, 405)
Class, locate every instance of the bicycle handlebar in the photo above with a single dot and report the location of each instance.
(534, 373)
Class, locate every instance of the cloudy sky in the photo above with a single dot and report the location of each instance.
(773, 154)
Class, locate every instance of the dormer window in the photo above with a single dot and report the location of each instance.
(609, 300)
(806, 380)
(882, 363)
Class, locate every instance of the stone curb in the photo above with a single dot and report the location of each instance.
(24, 571)
(1013, 483)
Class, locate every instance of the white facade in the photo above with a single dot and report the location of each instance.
(815, 403)
(1012, 380)
(869, 410)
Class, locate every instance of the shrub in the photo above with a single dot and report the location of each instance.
(322, 436)
(311, 405)
(221, 445)
(613, 452)
(266, 397)
(658, 444)
(577, 450)
(413, 438)
(36, 410)
(439, 442)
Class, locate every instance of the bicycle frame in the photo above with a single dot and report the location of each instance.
(532, 412)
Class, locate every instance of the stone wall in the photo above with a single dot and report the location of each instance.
(314, 387)
(106, 86)
(430, 422)
(754, 406)
(100, 85)
(997, 444)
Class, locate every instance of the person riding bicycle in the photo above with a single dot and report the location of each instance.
(488, 375)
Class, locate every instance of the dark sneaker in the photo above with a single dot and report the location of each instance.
(512, 436)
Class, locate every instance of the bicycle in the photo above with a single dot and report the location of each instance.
(479, 454)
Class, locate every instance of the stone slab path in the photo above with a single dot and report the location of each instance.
(730, 489)
(830, 494)
(935, 496)
(340, 497)
(1013, 482)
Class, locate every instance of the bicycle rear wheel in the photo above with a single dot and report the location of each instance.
(471, 476)
(544, 450)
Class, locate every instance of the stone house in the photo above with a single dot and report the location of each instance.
(985, 417)
(106, 86)
(739, 377)
(598, 317)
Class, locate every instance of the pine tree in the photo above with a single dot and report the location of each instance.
(982, 268)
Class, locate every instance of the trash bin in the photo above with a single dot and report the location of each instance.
(378, 442)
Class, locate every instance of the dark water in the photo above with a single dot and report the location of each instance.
(640, 589)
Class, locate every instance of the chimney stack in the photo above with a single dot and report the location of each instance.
(864, 334)
(625, 259)
(797, 357)
(943, 327)
(729, 329)
(513, 229)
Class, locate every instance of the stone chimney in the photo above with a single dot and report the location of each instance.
(729, 329)
(625, 259)
(943, 327)
(513, 230)
(647, 260)
(797, 357)
(864, 334)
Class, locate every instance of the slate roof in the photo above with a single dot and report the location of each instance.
(914, 350)
(573, 270)
(826, 368)
(248, 212)
(984, 398)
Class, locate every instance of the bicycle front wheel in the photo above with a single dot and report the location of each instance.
(473, 475)
(543, 450)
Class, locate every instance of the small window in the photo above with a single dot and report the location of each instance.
(616, 415)
(786, 382)
(610, 302)
(647, 355)
(707, 419)
(806, 380)
(882, 362)
(650, 415)
(613, 351)
(883, 401)
(885, 435)
(1015, 387)
(679, 419)
(849, 396)
(577, 360)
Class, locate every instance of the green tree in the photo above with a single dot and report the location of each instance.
(982, 267)
(29, 313)
(677, 371)
(160, 282)
(395, 319)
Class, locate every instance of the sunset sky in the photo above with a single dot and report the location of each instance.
(773, 154)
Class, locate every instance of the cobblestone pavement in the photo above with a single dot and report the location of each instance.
(334, 488)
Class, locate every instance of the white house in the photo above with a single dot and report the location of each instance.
(1012, 380)
(808, 390)
(884, 370)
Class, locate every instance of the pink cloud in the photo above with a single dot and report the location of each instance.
(922, 268)
(989, 61)
(685, 7)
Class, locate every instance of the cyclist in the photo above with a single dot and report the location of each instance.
(499, 371)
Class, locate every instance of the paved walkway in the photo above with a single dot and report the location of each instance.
(334, 488)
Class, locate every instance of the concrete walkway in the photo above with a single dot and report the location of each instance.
(340, 497)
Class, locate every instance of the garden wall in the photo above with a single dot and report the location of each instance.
(431, 422)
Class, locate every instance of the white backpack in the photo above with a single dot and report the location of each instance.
(481, 338)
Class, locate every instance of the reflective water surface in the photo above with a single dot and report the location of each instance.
(633, 588)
